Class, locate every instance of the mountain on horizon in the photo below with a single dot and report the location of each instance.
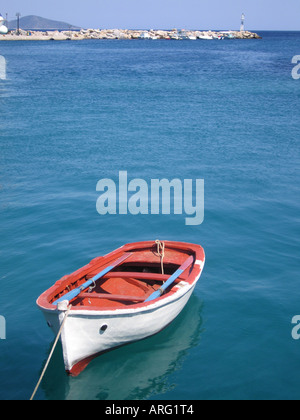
(39, 23)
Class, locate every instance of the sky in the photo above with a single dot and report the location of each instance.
(163, 14)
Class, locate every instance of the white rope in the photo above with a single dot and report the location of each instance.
(51, 353)
(161, 253)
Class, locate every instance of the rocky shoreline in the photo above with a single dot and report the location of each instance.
(125, 34)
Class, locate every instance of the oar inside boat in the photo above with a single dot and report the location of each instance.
(171, 280)
(74, 293)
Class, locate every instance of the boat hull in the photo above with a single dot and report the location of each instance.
(83, 337)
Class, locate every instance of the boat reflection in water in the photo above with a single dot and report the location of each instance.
(136, 371)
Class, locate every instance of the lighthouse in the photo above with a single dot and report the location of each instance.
(242, 23)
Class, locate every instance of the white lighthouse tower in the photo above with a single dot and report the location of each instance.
(242, 23)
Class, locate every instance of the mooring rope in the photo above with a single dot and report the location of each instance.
(161, 253)
(51, 353)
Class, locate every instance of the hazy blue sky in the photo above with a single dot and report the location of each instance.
(193, 14)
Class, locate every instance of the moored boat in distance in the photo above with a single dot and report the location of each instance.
(145, 35)
(228, 35)
(3, 28)
(206, 37)
(130, 294)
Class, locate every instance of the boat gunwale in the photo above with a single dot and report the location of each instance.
(44, 301)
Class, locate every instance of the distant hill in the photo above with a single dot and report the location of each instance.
(39, 23)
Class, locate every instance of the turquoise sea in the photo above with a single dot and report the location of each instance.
(227, 112)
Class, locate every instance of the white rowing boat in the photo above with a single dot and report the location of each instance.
(125, 296)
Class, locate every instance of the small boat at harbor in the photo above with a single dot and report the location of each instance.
(3, 28)
(206, 37)
(129, 294)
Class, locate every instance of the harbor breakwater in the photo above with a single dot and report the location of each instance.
(125, 34)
